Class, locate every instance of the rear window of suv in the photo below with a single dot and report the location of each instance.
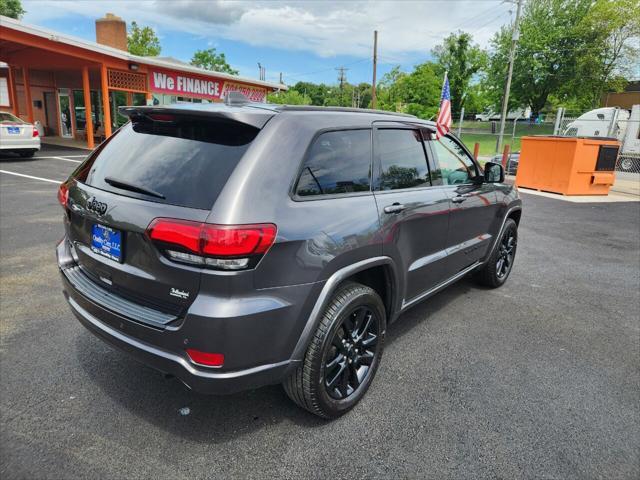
(338, 162)
(180, 160)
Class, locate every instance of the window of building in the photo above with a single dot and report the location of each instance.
(80, 111)
(402, 159)
(338, 162)
(4, 92)
(455, 165)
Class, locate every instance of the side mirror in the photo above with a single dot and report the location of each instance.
(493, 173)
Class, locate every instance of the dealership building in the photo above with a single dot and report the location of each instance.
(60, 81)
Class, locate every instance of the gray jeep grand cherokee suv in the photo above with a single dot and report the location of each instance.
(234, 246)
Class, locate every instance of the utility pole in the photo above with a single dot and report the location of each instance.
(281, 82)
(342, 77)
(505, 99)
(375, 63)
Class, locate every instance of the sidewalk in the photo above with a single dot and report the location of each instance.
(628, 183)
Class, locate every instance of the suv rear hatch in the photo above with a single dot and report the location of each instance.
(167, 163)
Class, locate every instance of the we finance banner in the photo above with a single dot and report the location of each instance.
(211, 88)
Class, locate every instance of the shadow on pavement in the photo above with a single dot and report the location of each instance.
(146, 393)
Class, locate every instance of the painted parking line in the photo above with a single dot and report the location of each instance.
(65, 158)
(31, 177)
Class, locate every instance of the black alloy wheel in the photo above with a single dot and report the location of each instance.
(495, 271)
(349, 357)
(343, 355)
(506, 253)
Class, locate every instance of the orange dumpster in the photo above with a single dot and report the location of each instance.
(570, 166)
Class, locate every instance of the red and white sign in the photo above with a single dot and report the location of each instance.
(188, 85)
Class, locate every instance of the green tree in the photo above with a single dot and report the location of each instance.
(289, 97)
(316, 92)
(211, 60)
(417, 93)
(143, 41)
(612, 50)
(462, 59)
(568, 53)
(11, 8)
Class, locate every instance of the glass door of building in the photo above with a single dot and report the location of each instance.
(65, 113)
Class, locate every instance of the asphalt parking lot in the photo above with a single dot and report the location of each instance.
(538, 379)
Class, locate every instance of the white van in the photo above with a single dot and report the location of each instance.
(598, 122)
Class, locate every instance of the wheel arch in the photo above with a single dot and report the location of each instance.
(378, 273)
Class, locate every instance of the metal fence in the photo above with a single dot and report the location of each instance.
(623, 125)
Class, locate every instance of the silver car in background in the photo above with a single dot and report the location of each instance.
(18, 136)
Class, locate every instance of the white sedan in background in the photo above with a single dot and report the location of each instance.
(18, 136)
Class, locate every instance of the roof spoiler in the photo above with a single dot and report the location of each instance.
(256, 118)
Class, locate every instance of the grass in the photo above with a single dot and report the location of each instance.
(488, 142)
(473, 132)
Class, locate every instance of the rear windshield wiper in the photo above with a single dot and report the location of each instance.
(132, 187)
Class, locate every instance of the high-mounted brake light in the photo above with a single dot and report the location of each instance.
(63, 195)
(162, 117)
(227, 247)
(205, 358)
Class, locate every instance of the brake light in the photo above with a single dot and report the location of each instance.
(228, 247)
(35, 132)
(63, 195)
(162, 117)
(205, 358)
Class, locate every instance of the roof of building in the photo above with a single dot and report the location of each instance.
(162, 62)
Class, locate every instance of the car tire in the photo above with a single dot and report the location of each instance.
(343, 355)
(27, 154)
(499, 265)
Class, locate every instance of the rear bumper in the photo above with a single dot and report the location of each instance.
(200, 380)
(164, 350)
(9, 144)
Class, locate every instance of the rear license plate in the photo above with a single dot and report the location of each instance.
(13, 130)
(107, 242)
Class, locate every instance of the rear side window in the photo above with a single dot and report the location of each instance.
(402, 159)
(185, 160)
(338, 162)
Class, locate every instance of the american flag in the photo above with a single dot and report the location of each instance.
(443, 123)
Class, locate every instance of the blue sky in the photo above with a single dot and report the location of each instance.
(305, 40)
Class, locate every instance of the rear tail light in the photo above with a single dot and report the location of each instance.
(35, 132)
(226, 247)
(63, 195)
(205, 358)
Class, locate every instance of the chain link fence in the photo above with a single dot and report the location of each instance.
(618, 123)
(609, 122)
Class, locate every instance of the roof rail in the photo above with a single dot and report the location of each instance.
(341, 109)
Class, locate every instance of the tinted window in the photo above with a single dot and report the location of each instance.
(402, 159)
(337, 162)
(455, 165)
(185, 160)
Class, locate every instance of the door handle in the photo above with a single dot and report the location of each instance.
(459, 199)
(395, 208)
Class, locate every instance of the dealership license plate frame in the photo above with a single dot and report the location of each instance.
(107, 242)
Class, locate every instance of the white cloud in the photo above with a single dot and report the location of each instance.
(328, 28)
